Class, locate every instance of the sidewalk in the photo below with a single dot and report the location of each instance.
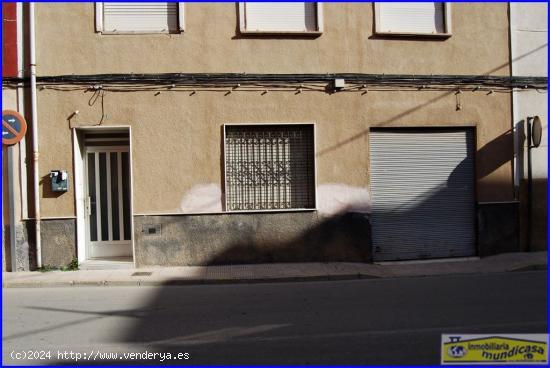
(275, 272)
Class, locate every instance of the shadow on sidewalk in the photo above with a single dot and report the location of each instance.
(397, 321)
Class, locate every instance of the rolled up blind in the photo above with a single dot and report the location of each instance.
(412, 17)
(280, 17)
(140, 17)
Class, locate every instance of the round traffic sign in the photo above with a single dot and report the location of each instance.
(14, 127)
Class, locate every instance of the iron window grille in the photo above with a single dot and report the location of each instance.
(269, 167)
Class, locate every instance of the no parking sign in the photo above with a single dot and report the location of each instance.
(14, 127)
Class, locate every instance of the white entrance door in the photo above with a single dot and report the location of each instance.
(108, 202)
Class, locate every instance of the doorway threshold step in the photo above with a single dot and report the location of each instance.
(114, 263)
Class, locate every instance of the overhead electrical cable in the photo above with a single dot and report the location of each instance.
(313, 82)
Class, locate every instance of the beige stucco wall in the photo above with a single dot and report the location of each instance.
(177, 138)
(530, 57)
(529, 23)
(67, 43)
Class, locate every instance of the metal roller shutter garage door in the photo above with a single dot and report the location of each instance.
(422, 184)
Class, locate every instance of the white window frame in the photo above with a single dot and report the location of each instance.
(315, 199)
(99, 22)
(243, 30)
(446, 19)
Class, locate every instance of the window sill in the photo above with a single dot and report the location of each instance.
(413, 34)
(271, 211)
(139, 32)
(281, 33)
(226, 212)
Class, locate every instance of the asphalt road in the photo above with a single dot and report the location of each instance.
(379, 321)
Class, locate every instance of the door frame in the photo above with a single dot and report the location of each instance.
(79, 157)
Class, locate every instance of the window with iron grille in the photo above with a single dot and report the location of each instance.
(269, 167)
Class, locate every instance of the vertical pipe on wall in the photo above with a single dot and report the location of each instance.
(35, 155)
(516, 126)
(11, 191)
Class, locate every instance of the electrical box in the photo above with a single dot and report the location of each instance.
(60, 180)
(339, 83)
(151, 229)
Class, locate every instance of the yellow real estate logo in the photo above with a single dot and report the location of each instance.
(491, 349)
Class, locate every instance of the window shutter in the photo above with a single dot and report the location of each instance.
(412, 17)
(140, 17)
(281, 17)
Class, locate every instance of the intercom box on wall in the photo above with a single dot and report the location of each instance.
(60, 180)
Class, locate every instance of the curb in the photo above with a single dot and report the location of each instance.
(185, 282)
(180, 282)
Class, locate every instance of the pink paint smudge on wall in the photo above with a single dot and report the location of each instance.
(201, 198)
(337, 198)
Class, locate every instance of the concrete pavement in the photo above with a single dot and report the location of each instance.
(369, 321)
(276, 272)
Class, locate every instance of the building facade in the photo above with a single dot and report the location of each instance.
(13, 229)
(193, 134)
(529, 50)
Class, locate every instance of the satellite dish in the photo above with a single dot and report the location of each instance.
(536, 131)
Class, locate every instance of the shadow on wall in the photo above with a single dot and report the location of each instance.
(540, 219)
(310, 236)
(539, 230)
(494, 154)
(423, 105)
(345, 236)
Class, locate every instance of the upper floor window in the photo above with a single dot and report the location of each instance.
(280, 17)
(139, 17)
(426, 19)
